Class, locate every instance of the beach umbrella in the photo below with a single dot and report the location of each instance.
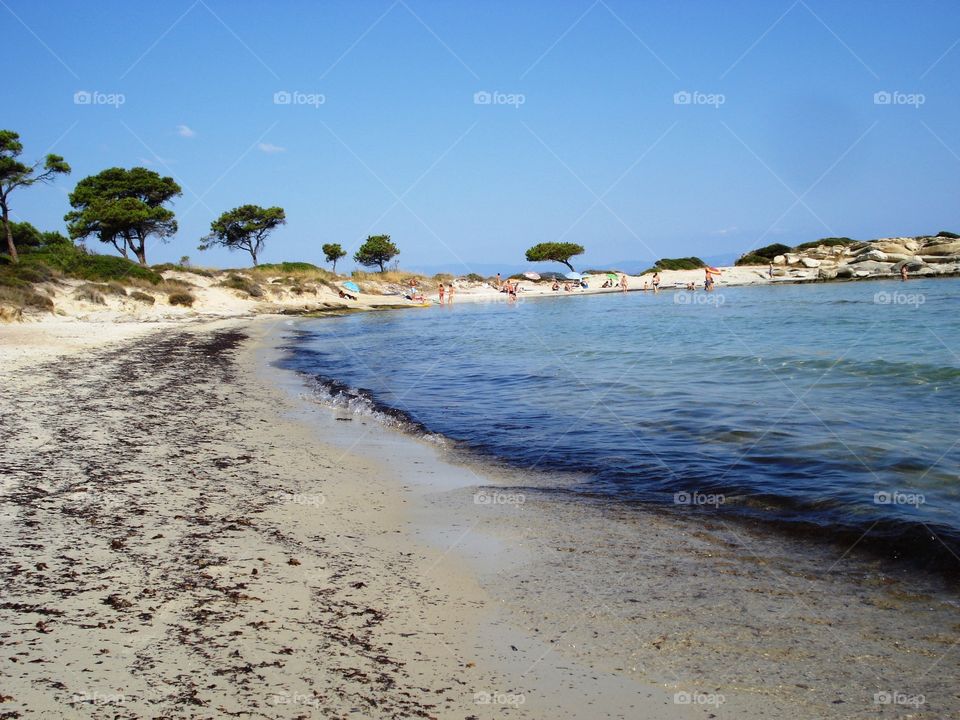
(531, 275)
(573, 276)
(612, 276)
(352, 286)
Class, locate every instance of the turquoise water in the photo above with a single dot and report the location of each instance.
(830, 408)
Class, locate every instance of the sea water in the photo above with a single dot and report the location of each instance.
(825, 409)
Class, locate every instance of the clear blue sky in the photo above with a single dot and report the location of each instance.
(598, 152)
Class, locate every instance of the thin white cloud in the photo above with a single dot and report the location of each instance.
(726, 231)
(155, 160)
(186, 131)
(270, 148)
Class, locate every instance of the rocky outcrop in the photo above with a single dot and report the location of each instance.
(884, 257)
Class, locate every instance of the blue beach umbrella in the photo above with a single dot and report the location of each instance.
(350, 285)
(573, 276)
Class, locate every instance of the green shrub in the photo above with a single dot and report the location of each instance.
(142, 297)
(474, 277)
(90, 293)
(28, 271)
(25, 297)
(753, 259)
(288, 267)
(829, 242)
(687, 263)
(243, 284)
(182, 268)
(947, 234)
(72, 261)
(181, 298)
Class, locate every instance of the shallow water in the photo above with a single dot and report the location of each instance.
(828, 408)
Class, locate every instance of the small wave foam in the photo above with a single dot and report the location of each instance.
(360, 401)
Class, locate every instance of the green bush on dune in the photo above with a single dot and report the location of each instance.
(184, 299)
(289, 267)
(687, 263)
(243, 284)
(828, 242)
(763, 255)
(24, 297)
(142, 297)
(182, 268)
(73, 261)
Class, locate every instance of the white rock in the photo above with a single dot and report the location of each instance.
(810, 262)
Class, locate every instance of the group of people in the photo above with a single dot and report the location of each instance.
(447, 293)
(511, 287)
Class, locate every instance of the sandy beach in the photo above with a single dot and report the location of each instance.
(179, 542)
(186, 532)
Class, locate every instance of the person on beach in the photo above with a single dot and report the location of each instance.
(555, 286)
(450, 291)
(440, 292)
(903, 273)
(656, 282)
(499, 283)
(646, 286)
(708, 282)
(691, 286)
(623, 283)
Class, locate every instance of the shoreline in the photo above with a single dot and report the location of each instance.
(258, 570)
(280, 557)
(527, 548)
(215, 302)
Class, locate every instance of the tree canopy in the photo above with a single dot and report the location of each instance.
(123, 208)
(15, 174)
(333, 252)
(560, 252)
(244, 228)
(376, 250)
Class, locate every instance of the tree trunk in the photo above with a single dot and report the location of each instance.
(381, 266)
(253, 254)
(11, 248)
(565, 262)
(122, 249)
(334, 267)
